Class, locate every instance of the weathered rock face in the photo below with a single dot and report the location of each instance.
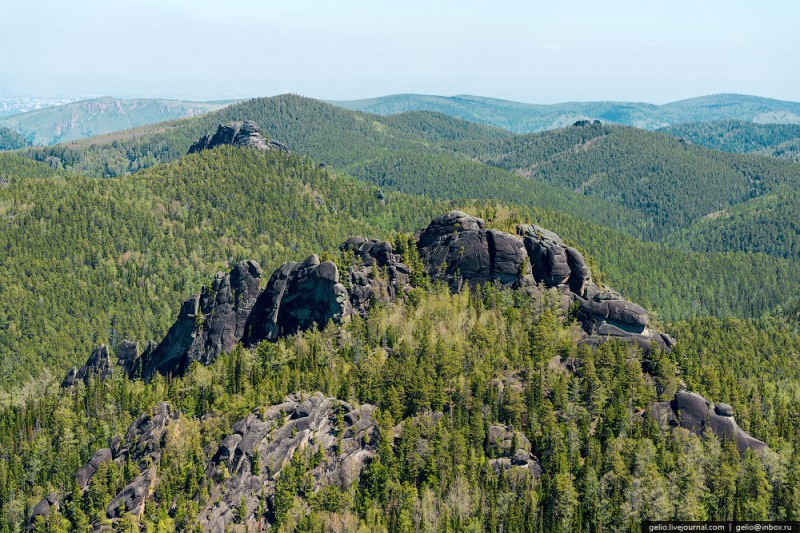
(209, 323)
(297, 296)
(456, 248)
(132, 498)
(142, 444)
(83, 475)
(47, 505)
(371, 255)
(98, 365)
(242, 134)
(553, 262)
(691, 411)
(607, 315)
(301, 424)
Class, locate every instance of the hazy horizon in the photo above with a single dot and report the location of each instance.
(617, 51)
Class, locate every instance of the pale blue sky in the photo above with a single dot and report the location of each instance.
(647, 50)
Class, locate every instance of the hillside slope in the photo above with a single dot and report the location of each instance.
(737, 136)
(768, 224)
(88, 118)
(668, 181)
(90, 260)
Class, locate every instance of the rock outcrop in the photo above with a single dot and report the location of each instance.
(371, 255)
(209, 323)
(83, 475)
(456, 248)
(245, 134)
(98, 365)
(297, 297)
(142, 445)
(691, 411)
(301, 424)
(46, 505)
(513, 449)
(554, 263)
(132, 498)
(129, 358)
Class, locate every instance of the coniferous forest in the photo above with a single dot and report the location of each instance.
(444, 398)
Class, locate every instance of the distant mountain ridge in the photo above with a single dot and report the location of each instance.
(520, 117)
(88, 118)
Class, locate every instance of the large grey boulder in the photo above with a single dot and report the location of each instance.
(456, 248)
(128, 354)
(132, 498)
(693, 412)
(98, 365)
(83, 475)
(45, 507)
(209, 323)
(297, 297)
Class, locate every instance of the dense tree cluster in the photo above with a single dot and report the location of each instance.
(11, 139)
(670, 182)
(480, 358)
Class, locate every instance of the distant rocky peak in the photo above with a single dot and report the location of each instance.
(245, 134)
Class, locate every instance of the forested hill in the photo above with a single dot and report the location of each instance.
(738, 136)
(667, 180)
(520, 117)
(769, 224)
(624, 178)
(89, 260)
(88, 118)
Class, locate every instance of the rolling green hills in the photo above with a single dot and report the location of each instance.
(768, 224)
(776, 140)
(88, 118)
(520, 117)
(668, 181)
(89, 260)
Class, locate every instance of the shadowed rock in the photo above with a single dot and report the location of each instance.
(301, 424)
(209, 323)
(365, 283)
(693, 412)
(46, 505)
(456, 248)
(83, 475)
(128, 355)
(297, 297)
(98, 365)
(132, 498)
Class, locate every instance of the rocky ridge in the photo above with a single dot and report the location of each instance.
(98, 365)
(455, 248)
